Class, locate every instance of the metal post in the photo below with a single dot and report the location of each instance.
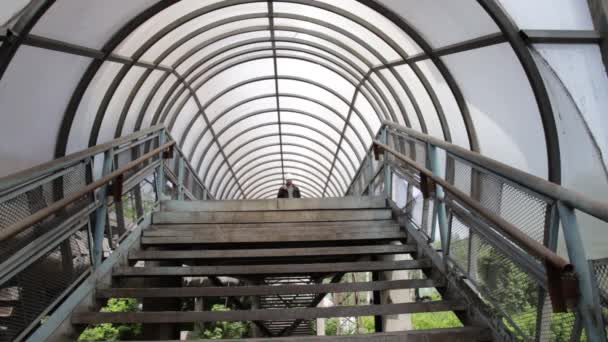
(370, 172)
(160, 172)
(101, 212)
(180, 178)
(388, 179)
(589, 307)
(439, 196)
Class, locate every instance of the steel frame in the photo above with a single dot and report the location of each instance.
(344, 181)
(240, 146)
(336, 191)
(296, 96)
(260, 148)
(509, 31)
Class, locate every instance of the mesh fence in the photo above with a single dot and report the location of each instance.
(25, 298)
(503, 281)
(22, 204)
(411, 148)
(523, 209)
(600, 270)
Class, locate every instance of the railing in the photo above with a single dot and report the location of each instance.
(59, 220)
(498, 228)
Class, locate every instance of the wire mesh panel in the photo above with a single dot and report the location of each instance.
(414, 149)
(600, 270)
(26, 297)
(506, 277)
(21, 204)
(521, 207)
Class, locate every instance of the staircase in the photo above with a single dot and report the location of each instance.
(285, 256)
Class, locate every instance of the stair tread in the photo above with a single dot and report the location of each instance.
(361, 266)
(276, 204)
(264, 314)
(264, 290)
(219, 237)
(270, 252)
(193, 230)
(250, 225)
(463, 334)
(164, 217)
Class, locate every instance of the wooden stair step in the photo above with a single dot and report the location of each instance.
(283, 225)
(263, 315)
(463, 334)
(291, 236)
(164, 217)
(276, 204)
(264, 290)
(194, 271)
(271, 252)
(193, 231)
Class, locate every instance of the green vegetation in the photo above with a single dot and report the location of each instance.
(366, 326)
(221, 330)
(435, 320)
(114, 332)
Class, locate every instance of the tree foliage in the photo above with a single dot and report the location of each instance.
(114, 332)
(221, 330)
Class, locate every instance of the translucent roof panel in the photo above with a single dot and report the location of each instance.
(453, 21)
(252, 99)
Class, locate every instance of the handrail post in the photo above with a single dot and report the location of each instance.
(101, 213)
(160, 172)
(588, 307)
(439, 197)
(388, 184)
(180, 178)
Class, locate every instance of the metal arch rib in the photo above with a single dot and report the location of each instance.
(260, 148)
(248, 115)
(344, 182)
(252, 128)
(76, 98)
(266, 78)
(314, 129)
(268, 189)
(312, 180)
(291, 41)
(313, 188)
(317, 167)
(286, 56)
(239, 147)
(204, 116)
(276, 183)
(276, 80)
(543, 101)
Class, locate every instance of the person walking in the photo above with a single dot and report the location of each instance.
(289, 190)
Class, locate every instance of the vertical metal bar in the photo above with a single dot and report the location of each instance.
(439, 197)
(588, 306)
(160, 173)
(543, 326)
(388, 179)
(180, 178)
(101, 212)
(139, 204)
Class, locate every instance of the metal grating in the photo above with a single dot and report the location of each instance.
(27, 295)
(20, 205)
(520, 207)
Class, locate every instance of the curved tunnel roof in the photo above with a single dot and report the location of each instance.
(256, 91)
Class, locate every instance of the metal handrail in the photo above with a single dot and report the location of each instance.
(59, 205)
(20, 177)
(530, 245)
(569, 197)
